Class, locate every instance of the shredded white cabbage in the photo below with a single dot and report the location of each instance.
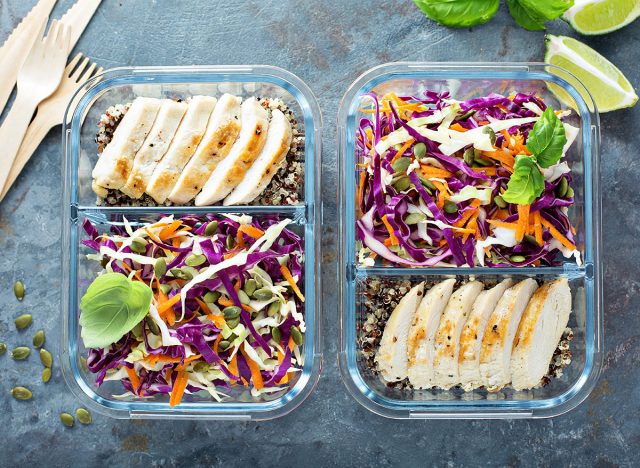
(470, 192)
(167, 339)
(502, 236)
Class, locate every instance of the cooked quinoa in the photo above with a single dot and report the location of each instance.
(286, 186)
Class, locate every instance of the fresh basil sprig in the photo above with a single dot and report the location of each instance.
(526, 183)
(111, 307)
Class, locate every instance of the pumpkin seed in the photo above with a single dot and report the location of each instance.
(427, 184)
(46, 374)
(250, 286)
(104, 261)
(450, 207)
(469, 156)
(419, 150)
(414, 218)
(401, 164)
(274, 308)
(570, 192)
(201, 366)
(3, 348)
(492, 134)
(138, 245)
(195, 260)
(562, 187)
(498, 200)
(231, 312)
(224, 345)
(229, 242)
(233, 323)
(276, 335)
(296, 334)
(263, 294)
(18, 290)
(244, 298)
(403, 183)
(21, 393)
(46, 358)
(160, 268)
(530, 239)
(184, 273)
(67, 419)
(517, 258)
(211, 296)
(83, 362)
(165, 288)
(20, 353)
(211, 228)
(38, 339)
(152, 325)
(23, 321)
(83, 415)
(483, 161)
(467, 114)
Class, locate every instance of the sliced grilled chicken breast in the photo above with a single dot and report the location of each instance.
(230, 171)
(392, 354)
(115, 163)
(267, 164)
(182, 147)
(540, 330)
(222, 132)
(154, 147)
(473, 332)
(447, 340)
(495, 353)
(423, 331)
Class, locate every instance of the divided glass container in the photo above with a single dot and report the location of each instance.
(465, 81)
(120, 86)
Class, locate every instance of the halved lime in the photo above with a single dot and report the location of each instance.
(601, 16)
(606, 84)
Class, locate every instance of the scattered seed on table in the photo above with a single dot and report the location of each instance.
(21, 393)
(3, 348)
(67, 419)
(18, 290)
(83, 416)
(46, 374)
(23, 321)
(20, 353)
(46, 358)
(39, 339)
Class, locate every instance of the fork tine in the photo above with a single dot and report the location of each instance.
(88, 72)
(72, 64)
(80, 70)
(52, 33)
(64, 36)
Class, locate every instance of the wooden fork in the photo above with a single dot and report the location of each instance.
(51, 113)
(38, 78)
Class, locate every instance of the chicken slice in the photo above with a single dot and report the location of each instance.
(423, 331)
(222, 132)
(154, 147)
(540, 330)
(392, 354)
(267, 164)
(447, 340)
(184, 144)
(495, 353)
(114, 165)
(230, 171)
(473, 332)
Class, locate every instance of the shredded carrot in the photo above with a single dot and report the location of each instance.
(472, 225)
(466, 215)
(240, 239)
(229, 255)
(224, 302)
(402, 150)
(155, 358)
(523, 221)
(179, 386)
(363, 178)
(203, 306)
(289, 277)
(290, 345)
(175, 242)
(168, 304)
(217, 319)
(501, 214)
(442, 193)
(463, 231)
(133, 377)
(490, 171)
(152, 235)
(503, 157)
(135, 274)
(169, 230)
(431, 171)
(216, 343)
(458, 128)
(256, 376)
(556, 234)
(251, 231)
(233, 367)
(495, 222)
(168, 373)
(392, 236)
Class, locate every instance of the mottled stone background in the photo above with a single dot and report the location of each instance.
(328, 44)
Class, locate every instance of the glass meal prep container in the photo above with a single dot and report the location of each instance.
(119, 86)
(465, 81)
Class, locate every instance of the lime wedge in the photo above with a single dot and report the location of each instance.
(601, 16)
(606, 84)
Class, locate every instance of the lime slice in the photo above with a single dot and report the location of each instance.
(601, 16)
(606, 84)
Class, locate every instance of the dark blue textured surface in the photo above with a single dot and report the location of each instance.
(328, 44)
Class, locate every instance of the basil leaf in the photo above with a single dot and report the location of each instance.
(524, 17)
(459, 13)
(546, 10)
(526, 183)
(547, 139)
(111, 307)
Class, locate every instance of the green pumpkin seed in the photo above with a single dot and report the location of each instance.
(483, 161)
(46, 358)
(20, 353)
(450, 207)
(469, 156)
(467, 114)
(231, 312)
(83, 415)
(38, 339)
(138, 245)
(274, 308)
(427, 184)
(152, 325)
(3, 348)
(263, 294)
(160, 268)
(562, 187)
(414, 218)
(530, 239)
(498, 200)
(23, 321)
(165, 288)
(570, 192)
(21, 393)
(18, 290)
(492, 134)
(517, 258)
(195, 260)
(233, 323)
(184, 273)
(201, 366)
(229, 242)
(83, 362)
(401, 164)
(46, 374)
(67, 419)
(244, 298)
(403, 183)
(224, 345)
(250, 286)
(211, 228)
(296, 334)
(276, 335)
(211, 296)
(419, 150)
